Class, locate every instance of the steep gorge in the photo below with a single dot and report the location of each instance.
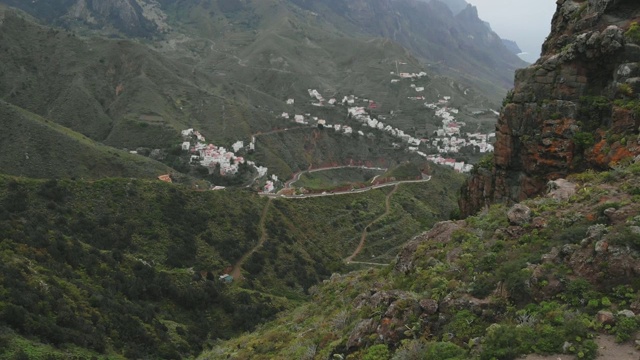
(576, 108)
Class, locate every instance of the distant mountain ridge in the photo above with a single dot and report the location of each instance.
(454, 41)
(512, 46)
(458, 45)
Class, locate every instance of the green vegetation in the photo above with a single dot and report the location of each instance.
(498, 291)
(632, 105)
(593, 111)
(88, 266)
(405, 171)
(486, 162)
(583, 140)
(32, 146)
(337, 178)
(633, 33)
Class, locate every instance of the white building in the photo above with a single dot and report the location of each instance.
(237, 146)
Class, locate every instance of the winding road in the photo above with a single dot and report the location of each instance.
(236, 273)
(354, 191)
(363, 238)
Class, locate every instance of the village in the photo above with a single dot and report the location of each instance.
(212, 156)
(446, 141)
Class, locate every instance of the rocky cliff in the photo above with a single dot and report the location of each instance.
(576, 108)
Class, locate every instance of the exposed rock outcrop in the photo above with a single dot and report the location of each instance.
(577, 107)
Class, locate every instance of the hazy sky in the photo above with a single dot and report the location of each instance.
(527, 22)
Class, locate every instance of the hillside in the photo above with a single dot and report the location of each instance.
(89, 266)
(460, 46)
(229, 82)
(548, 276)
(35, 147)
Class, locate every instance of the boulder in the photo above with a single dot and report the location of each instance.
(626, 313)
(602, 247)
(441, 232)
(539, 222)
(360, 333)
(519, 215)
(561, 189)
(605, 318)
(429, 306)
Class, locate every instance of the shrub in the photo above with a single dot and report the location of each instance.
(502, 342)
(625, 327)
(445, 351)
(486, 162)
(377, 352)
(583, 140)
(410, 350)
(633, 34)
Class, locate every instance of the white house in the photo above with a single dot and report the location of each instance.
(291, 102)
(237, 146)
(268, 188)
(186, 146)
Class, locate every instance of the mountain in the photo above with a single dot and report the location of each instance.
(456, 6)
(512, 46)
(460, 45)
(227, 74)
(576, 108)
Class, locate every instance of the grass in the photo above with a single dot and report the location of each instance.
(35, 147)
(338, 178)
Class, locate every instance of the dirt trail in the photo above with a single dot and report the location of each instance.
(363, 238)
(237, 268)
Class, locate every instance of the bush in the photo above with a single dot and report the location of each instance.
(583, 140)
(625, 327)
(633, 34)
(502, 342)
(377, 352)
(445, 351)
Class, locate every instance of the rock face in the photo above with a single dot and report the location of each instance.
(576, 108)
(519, 215)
